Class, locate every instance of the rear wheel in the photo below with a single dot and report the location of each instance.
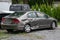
(9, 30)
(27, 28)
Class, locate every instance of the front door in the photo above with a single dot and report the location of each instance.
(43, 21)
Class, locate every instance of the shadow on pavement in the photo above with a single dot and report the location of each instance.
(21, 32)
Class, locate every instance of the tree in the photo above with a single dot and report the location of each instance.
(25, 1)
(47, 2)
(15, 1)
(18, 1)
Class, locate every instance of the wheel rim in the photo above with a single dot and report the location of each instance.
(53, 25)
(27, 28)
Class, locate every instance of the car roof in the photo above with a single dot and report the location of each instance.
(33, 11)
(36, 11)
(30, 11)
(26, 11)
(19, 4)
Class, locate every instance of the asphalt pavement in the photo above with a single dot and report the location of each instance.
(42, 34)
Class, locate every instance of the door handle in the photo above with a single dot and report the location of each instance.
(31, 19)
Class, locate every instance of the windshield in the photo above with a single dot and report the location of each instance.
(17, 14)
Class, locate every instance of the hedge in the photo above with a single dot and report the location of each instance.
(50, 10)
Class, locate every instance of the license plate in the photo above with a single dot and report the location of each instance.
(7, 21)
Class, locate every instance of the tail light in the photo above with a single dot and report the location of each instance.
(3, 19)
(15, 21)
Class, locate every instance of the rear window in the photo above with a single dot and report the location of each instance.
(15, 8)
(17, 14)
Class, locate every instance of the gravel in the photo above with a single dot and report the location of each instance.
(43, 34)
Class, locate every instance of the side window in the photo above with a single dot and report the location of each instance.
(32, 15)
(40, 15)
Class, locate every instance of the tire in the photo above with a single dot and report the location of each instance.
(9, 30)
(53, 25)
(27, 28)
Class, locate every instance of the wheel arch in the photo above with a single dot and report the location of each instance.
(28, 24)
(55, 22)
(25, 29)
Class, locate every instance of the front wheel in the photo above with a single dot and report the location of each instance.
(27, 28)
(53, 25)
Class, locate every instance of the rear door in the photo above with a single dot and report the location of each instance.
(32, 19)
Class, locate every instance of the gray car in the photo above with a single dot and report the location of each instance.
(27, 21)
(19, 7)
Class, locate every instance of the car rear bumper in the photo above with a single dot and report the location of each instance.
(12, 26)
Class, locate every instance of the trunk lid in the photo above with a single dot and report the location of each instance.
(8, 19)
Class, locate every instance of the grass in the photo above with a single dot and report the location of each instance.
(3, 34)
(58, 23)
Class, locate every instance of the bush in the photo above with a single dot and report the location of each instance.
(46, 9)
(58, 13)
(33, 2)
(51, 11)
(35, 7)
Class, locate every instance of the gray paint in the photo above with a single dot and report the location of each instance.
(35, 23)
